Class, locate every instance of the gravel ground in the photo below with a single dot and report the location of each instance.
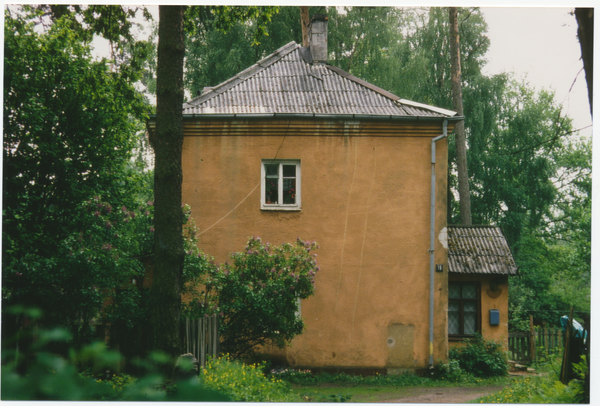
(444, 395)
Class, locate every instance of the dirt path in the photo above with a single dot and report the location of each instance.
(443, 395)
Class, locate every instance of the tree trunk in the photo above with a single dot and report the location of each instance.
(459, 129)
(304, 20)
(166, 289)
(585, 33)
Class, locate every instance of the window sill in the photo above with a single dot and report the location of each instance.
(280, 208)
(461, 338)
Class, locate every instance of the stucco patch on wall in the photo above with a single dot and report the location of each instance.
(400, 343)
(443, 237)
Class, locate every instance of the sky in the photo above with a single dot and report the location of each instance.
(541, 46)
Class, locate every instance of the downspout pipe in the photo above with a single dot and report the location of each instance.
(432, 240)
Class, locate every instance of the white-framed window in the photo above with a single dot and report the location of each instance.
(280, 185)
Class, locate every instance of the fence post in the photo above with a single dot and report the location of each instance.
(531, 339)
(545, 339)
(564, 372)
(586, 378)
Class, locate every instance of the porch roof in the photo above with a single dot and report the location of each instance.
(479, 250)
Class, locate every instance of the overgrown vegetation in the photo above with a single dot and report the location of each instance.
(52, 368)
(481, 357)
(245, 383)
(545, 388)
(71, 125)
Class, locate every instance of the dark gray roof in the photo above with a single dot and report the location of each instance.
(479, 250)
(285, 83)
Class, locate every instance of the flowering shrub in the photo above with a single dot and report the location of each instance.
(244, 383)
(257, 296)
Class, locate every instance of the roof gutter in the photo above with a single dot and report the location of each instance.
(432, 240)
(374, 117)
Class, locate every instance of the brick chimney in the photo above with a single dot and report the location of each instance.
(317, 37)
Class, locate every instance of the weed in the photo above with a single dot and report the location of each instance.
(245, 383)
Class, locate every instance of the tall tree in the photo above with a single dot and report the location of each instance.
(70, 126)
(585, 33)
(167, 285)
(459, 129)
(304, 22)
(167, 142)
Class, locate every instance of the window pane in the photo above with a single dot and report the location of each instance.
(272, 170)
(470, 317)
(271, 191)
(454, 291)
(453, 318)
(453, 323)
(470, 322)
(289, 171)
(289, 191)
(470, 307)
(469, 291)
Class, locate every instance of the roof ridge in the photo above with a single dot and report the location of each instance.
(264, 63)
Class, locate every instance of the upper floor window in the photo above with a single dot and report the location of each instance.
(280, 185)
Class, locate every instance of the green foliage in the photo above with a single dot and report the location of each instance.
(221, 41)
(70, 127)
(480, 357)
(445, 374)
(307, 378)
(257, 296)
(450, 371)
(117, 382)
(83, 373)
(545, 388)
(245, 383)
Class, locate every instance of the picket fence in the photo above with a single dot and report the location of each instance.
(545, 341)
(202, 338)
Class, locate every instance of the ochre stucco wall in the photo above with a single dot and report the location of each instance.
(490, 299)
(366, 201)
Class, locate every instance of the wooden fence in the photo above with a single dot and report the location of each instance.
(545, 341)
(202, 338)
